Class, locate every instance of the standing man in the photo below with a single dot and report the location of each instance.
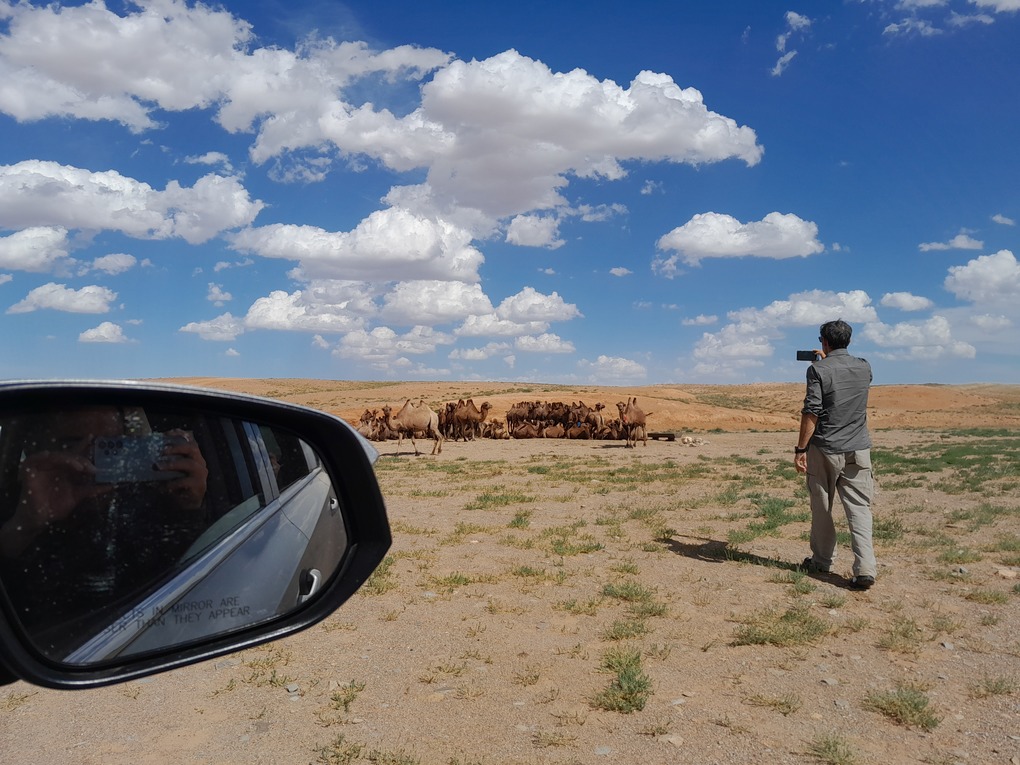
(834, 450)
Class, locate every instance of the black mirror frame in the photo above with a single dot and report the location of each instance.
(345, 459)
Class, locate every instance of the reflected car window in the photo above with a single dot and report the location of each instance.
(116, 521)
(288, 456)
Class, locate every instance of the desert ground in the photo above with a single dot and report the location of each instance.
(580, 602)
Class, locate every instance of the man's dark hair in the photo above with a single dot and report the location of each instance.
(836, 333)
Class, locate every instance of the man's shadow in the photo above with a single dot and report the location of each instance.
(718, 551)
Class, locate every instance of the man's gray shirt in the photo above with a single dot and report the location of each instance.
(837, 393)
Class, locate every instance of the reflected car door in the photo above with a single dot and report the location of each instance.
(261, 559)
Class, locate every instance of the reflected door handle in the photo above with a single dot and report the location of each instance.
(334, 506)
(311, 581)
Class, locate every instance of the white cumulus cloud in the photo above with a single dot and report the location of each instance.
(989, 280)
(927, 340)
(714, 235)
(389, 244)
(530, 305)
(433, 302)
(38, 249)
(382, 347)
(905, 301)
(217, 295)
(962, 241)
(115, 263)
(40, 193)
(223, 328)
(613, 370)
(534, 231)
(544, 343)
(480, 354)
(107, 332)
(301, 311)
(59, 297)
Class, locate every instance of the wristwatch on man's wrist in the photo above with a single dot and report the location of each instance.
(798, 450)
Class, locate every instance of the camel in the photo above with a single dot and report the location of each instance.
(582, 430)
(553, 431)
(633, 420)
(468, 418)
(413, 419)
(525, 430)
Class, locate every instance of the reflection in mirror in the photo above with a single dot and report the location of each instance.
(125, 529)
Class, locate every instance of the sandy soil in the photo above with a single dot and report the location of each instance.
(519, 567)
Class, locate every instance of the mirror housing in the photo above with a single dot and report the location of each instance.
(344, 456)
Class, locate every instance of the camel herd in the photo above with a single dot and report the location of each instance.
(528, 419)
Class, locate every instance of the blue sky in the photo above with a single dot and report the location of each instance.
(608, 193)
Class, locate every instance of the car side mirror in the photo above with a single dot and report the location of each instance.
(145, 527)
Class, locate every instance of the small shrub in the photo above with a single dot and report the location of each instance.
(904, 636)
(630, 688)
(959, 556)
(785, 705)
(907, 705)
(994, 686)
(625, 630)
(796, 626)
(987, 597)
(832, 749)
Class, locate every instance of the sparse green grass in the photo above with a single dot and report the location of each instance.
(344, 697)
(786, 704)
(625, 630)
(381, 580)
(547, 739)
(497, 498)
(833, 600)
(772, 513)
(959, 556)
(521, 519)
(988, 597)
(832, 749)
(266, 667)
(339, 704)
(994, 686)
(943, 624)
(800, 583)
(601, 535)
(339, 751)
(398, 757)
(630, 687)
(15, 700)
(903, 636)
(626, 567)
(568, 540)
(793, 627)
(629, 591)
(1006, 543)
(580, 608)
(906, 704)
(456, 580)
(887, 529)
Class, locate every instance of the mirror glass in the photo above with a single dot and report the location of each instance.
(125, 529)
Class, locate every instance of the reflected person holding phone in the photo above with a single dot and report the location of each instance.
(69, 518)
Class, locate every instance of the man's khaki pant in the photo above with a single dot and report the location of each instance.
(849, 475)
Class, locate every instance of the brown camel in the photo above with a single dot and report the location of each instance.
(468, 418)
(633, 421)
(413, 419)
